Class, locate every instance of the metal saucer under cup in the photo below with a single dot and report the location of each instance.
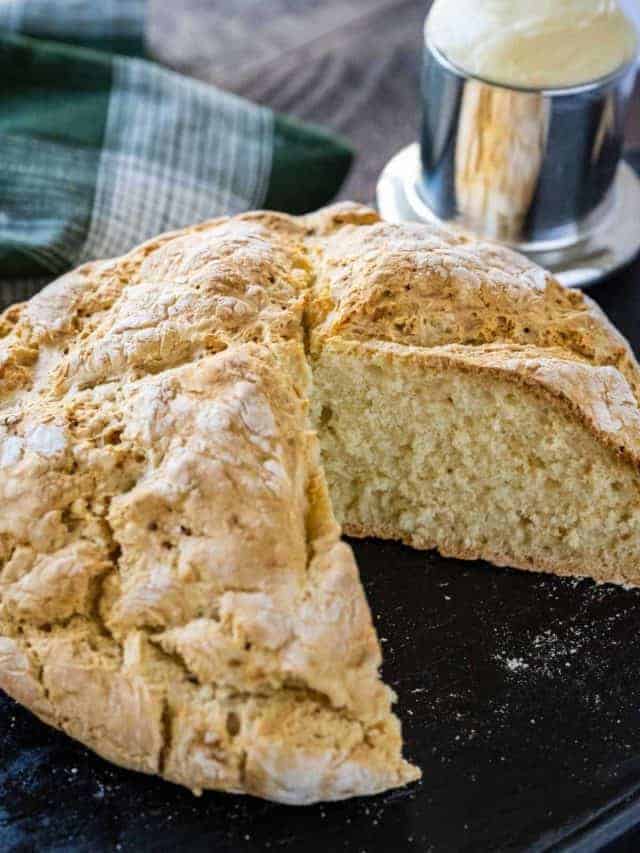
(538, 170)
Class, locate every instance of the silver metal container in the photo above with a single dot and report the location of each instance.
(533, 168)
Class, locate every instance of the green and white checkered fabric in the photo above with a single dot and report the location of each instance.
(175, 151)
(100, 151)
(109, 24)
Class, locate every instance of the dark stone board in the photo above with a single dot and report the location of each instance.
(519, 697)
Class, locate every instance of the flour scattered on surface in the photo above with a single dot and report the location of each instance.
(515, 664)
(583, 640)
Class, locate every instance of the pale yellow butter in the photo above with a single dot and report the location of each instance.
(533, 43)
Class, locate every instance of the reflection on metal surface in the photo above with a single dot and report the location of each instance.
(498, 158)
(531, 168)
(614, 242)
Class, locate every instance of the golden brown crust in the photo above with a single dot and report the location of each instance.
(428, 287)
(597, 396)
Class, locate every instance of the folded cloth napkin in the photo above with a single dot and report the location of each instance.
(99, 151)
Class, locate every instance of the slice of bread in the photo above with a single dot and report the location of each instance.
(465, 401)
(174, 593)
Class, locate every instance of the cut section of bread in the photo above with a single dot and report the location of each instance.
(497, 453)
(467, 402)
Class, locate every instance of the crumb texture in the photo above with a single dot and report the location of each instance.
(476, 454)
(173, 588)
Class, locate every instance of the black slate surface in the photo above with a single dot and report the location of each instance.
(519, 693)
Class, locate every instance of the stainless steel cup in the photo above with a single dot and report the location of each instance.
(533, 168)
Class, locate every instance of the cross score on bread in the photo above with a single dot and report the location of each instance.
(178, 427)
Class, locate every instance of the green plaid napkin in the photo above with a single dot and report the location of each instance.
(100, 151)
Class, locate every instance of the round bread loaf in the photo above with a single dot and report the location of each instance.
(173, 589)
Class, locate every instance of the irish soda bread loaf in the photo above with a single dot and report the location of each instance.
(173, 589)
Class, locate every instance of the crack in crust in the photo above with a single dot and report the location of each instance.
(173, 591)
(208, 652)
